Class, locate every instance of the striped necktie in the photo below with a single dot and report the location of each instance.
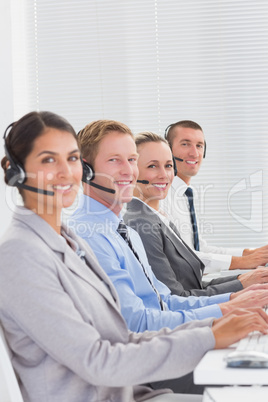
(189, 194)
(123, 231)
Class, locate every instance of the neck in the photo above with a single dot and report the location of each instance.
(49, 213)
(90, 191)
(153, 203)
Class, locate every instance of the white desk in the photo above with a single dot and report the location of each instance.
(236, 394)
(212, 370)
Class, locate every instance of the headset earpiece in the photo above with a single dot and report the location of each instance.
(167, 130)
(88, 172)
(205, 149)
(174, 124)
(15, 174)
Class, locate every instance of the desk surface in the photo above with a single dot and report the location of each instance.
(236, 394)
(232, 272)
(212, 370)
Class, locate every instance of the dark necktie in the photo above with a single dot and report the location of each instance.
(123, 231)
(189, 194)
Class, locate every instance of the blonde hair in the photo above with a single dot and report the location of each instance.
(90, 137)
(148, 136)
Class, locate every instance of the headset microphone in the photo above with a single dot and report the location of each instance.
(143, 181)
(178, 159)
(35, 189)
(109, 190)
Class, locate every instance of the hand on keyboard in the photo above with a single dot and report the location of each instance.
(251, 352)
(246, 299)
(237, 325)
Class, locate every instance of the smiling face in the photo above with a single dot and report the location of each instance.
(156, 166)
(188, 144)
(115, 167)
(53, 165)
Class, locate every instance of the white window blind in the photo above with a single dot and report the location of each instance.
(152, 63)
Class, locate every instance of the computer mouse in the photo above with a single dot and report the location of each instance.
(247, 359)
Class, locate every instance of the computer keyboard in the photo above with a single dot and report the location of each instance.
(250, 352)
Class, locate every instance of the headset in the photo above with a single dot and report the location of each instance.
(166, 134)
(89, 175)
(15, 173)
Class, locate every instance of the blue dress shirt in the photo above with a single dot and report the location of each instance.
(140, 307)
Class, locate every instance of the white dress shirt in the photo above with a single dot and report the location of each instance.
(176, 207)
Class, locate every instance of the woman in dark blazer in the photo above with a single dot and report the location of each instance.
(172, 261)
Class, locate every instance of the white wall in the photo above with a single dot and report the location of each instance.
(6, 101)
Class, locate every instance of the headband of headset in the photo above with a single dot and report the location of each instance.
(174, 124)
(15, 174)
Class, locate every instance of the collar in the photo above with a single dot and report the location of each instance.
(95, 210)
(45, 232)
(179, 185)
(42, 229)
(160, 213)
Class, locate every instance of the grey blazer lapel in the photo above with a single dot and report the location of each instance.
(185, 252)
(92, 272)
(173, 227)
(138, 207)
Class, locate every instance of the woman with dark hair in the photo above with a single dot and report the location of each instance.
(59, 310)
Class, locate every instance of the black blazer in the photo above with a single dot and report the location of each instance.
(172, 261)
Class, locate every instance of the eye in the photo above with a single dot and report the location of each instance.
(132, 160)
(200, 146)
(73, 158)
(48, 159)
(151, 166)
(169, 166)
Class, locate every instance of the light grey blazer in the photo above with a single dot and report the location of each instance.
(172, 261)
(62, 321)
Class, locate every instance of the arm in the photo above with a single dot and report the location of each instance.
(173, 269)
(34, 301)
(136, 294)
(214, 262)
(250, 258)
(223, 285)
(153, 241)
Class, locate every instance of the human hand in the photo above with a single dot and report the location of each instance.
(247, 299)
(257, 286)
(259, 275)
(238, 324)
(250, 258)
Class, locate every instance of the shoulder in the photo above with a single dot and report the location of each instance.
(138, 211)
(24, 255)
(146, 226)
(19, 236)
